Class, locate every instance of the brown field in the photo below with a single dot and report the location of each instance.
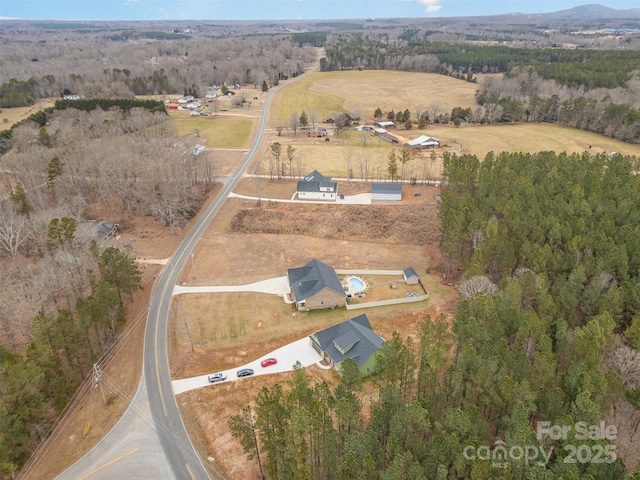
(361, 92)
(9, 116)
(527, 137)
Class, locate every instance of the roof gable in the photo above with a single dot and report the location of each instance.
(307, 281)
(408, 272)
(352, 338)
(316, 176)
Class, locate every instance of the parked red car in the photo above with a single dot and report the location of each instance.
(268, 361)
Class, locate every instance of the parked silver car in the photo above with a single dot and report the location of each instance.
(217, 377)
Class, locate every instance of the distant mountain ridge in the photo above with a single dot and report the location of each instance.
(592, 11)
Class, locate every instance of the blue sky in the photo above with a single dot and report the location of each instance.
(278, 9)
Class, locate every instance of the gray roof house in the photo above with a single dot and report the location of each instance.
(316, 286)
(353, 339)
(316, 186)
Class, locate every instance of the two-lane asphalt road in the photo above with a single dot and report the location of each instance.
(150, 440)
(184, 461)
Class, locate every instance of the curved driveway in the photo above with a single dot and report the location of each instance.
(155, 398)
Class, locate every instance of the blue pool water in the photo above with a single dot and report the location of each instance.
(357, 285)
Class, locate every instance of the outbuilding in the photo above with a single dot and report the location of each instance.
(410, 276)
(423, 142)
(386, 191)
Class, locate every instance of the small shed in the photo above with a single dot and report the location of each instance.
(386, 191)
(410, 276)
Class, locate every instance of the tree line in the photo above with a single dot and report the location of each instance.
(144, 68)
(579, 67)
(548, 330)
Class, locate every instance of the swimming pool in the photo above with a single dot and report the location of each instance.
(356, 284)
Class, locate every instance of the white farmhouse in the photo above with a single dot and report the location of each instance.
(316, 186)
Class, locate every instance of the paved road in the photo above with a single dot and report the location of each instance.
(176, 457)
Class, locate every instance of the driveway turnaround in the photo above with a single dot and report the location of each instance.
(298, 351)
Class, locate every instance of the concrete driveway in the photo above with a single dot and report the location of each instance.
(359, 199)
(274, 286)
(298, 351)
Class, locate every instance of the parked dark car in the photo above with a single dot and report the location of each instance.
(245, 372)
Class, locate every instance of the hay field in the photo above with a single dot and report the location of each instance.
(361, 92)
(354, 153)
(9, 116)
(526, 137)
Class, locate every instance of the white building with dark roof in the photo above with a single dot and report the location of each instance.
(410, 276)
(316, 186)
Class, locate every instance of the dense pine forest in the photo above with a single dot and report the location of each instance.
(547, 331)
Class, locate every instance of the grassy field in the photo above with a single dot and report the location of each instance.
(362, 92)
(527, 137)
(9, 116)
(218, 131)
(352, 153)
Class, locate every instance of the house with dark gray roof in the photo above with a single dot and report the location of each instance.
(316, 186)
(353, 339)
(315, 286)
(386, 191)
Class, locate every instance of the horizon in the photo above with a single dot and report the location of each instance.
(277, 10)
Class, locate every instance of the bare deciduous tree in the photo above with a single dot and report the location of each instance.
(294, 122)
(13, 229)
(475, 285)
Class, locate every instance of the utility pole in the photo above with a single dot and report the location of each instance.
(193, 268)
(97, 378)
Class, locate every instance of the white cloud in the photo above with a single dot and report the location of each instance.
(432, 5)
